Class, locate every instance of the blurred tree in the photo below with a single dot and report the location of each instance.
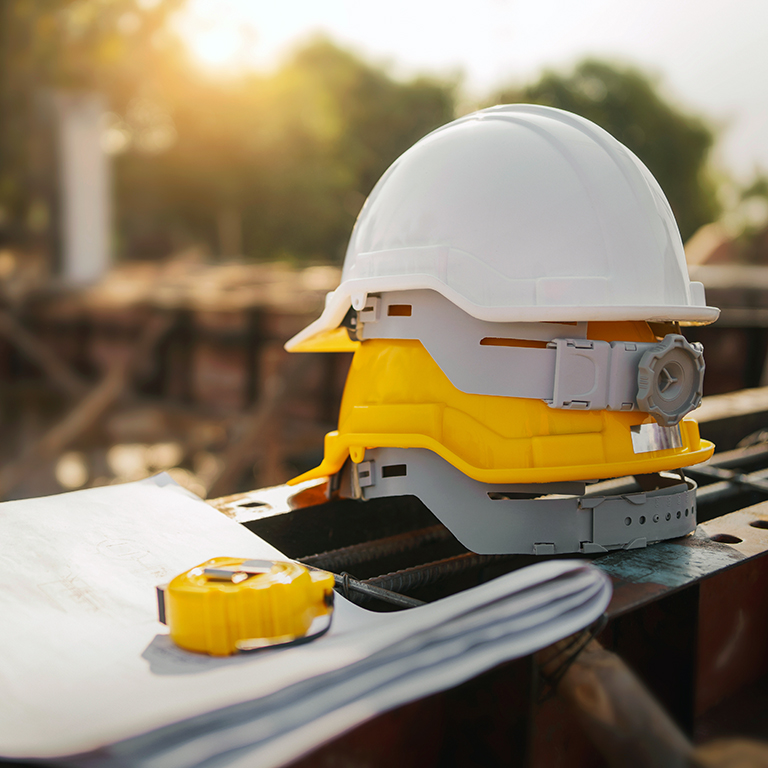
(285, 159)
(274, 165)
(104, 45)
(748, 218)
(674, 145)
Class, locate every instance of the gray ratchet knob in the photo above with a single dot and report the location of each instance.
(670, 379)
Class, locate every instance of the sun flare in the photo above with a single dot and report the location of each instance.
(216, 36)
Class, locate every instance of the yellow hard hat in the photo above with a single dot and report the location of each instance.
(397, 396)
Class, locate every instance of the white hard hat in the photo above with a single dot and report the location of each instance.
(520, 213)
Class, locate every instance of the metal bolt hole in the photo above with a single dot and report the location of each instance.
(759, 523)
(726, 538)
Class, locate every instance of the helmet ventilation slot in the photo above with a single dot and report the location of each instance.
(495, 341)
(394, 470)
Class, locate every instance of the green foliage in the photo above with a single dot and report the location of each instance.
(758, 187)
(674, 145)
(284, 161)
(105, 45)
(293, 154)
(747, 218)
(288, 158)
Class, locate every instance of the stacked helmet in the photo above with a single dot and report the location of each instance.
(513, 290)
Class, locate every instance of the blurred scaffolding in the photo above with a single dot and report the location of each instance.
(178, 365)
(131, 344)
(174, 366)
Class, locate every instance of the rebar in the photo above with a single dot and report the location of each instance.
(417, 576)
(756, 481)
(347, 585)
(338, 560)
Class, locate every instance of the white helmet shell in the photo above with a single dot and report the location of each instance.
(521, 213)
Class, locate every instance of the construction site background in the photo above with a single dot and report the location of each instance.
(163, 232)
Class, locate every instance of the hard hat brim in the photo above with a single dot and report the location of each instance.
(327, 340)
(319, 337)
(337, 451)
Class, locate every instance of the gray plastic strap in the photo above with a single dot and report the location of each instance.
(569, 372)
(485, 521)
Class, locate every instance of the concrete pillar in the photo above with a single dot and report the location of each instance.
(85, 187)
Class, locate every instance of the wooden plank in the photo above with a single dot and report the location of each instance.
(745, 402)
(727, 419)
(89, 409)
(64, 377)
(254, 437)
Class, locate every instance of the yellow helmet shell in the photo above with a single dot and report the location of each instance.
(397, 396)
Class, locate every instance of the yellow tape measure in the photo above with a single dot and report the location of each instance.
(229, 604)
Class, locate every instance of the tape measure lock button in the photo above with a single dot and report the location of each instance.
(227, 605)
